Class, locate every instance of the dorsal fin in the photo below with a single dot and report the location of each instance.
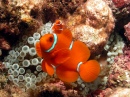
(46, 67)
(38, 49)
(67, 33)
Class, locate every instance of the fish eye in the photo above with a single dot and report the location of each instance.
(51, 39)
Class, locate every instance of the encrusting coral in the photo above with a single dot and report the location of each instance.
(127, 31)
(57, 89)
(13, 91)
(108, 92)
(120, 70)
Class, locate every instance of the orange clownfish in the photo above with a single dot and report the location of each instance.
(69, 57)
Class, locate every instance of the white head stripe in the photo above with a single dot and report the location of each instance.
(79, 66)
(71, 45)
(54, 43)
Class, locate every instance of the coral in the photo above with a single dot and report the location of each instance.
(56, 9)
(119, 3)
(121, 12)
(83, 16)
(12, 91)
(91, 23)
(57, 89)
(120, 8)
(50, 94)
(4, 44)
(14, 21)
(24, 67)
(3, 76)
(100, 93)
(119, 74)
(127, 31)
(4, 93)
(114, 92)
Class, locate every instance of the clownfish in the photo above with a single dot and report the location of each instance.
(70, 58)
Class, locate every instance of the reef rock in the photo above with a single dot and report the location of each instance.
(92, 23)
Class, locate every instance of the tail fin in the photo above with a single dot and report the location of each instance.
(89, 71)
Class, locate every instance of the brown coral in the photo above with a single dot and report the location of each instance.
(14, 23)
(4, 44)
(61, 8)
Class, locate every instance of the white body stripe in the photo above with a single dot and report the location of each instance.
(79, 66)
(54, 43)
(71, 45)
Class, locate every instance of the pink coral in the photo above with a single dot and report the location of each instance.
(119, 3)
(119, 74)
(114, 92)
(4, 44)
(127, 31)
(57, 87)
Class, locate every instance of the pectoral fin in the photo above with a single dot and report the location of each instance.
(47, 68)
(61, 56)
(66, 75)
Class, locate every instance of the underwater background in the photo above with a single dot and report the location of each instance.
(102, 25)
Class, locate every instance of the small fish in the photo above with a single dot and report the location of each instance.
(57, 27)
(67, 56)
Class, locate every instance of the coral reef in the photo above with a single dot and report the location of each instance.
(3, 76)
(56, 9)
(92, 23)
(14, 21)
(121, 12)
(21, 19)
(57, 89)
(12, 91)
(120, 70)
(108, 92)
(24, 66)
(120, 8)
